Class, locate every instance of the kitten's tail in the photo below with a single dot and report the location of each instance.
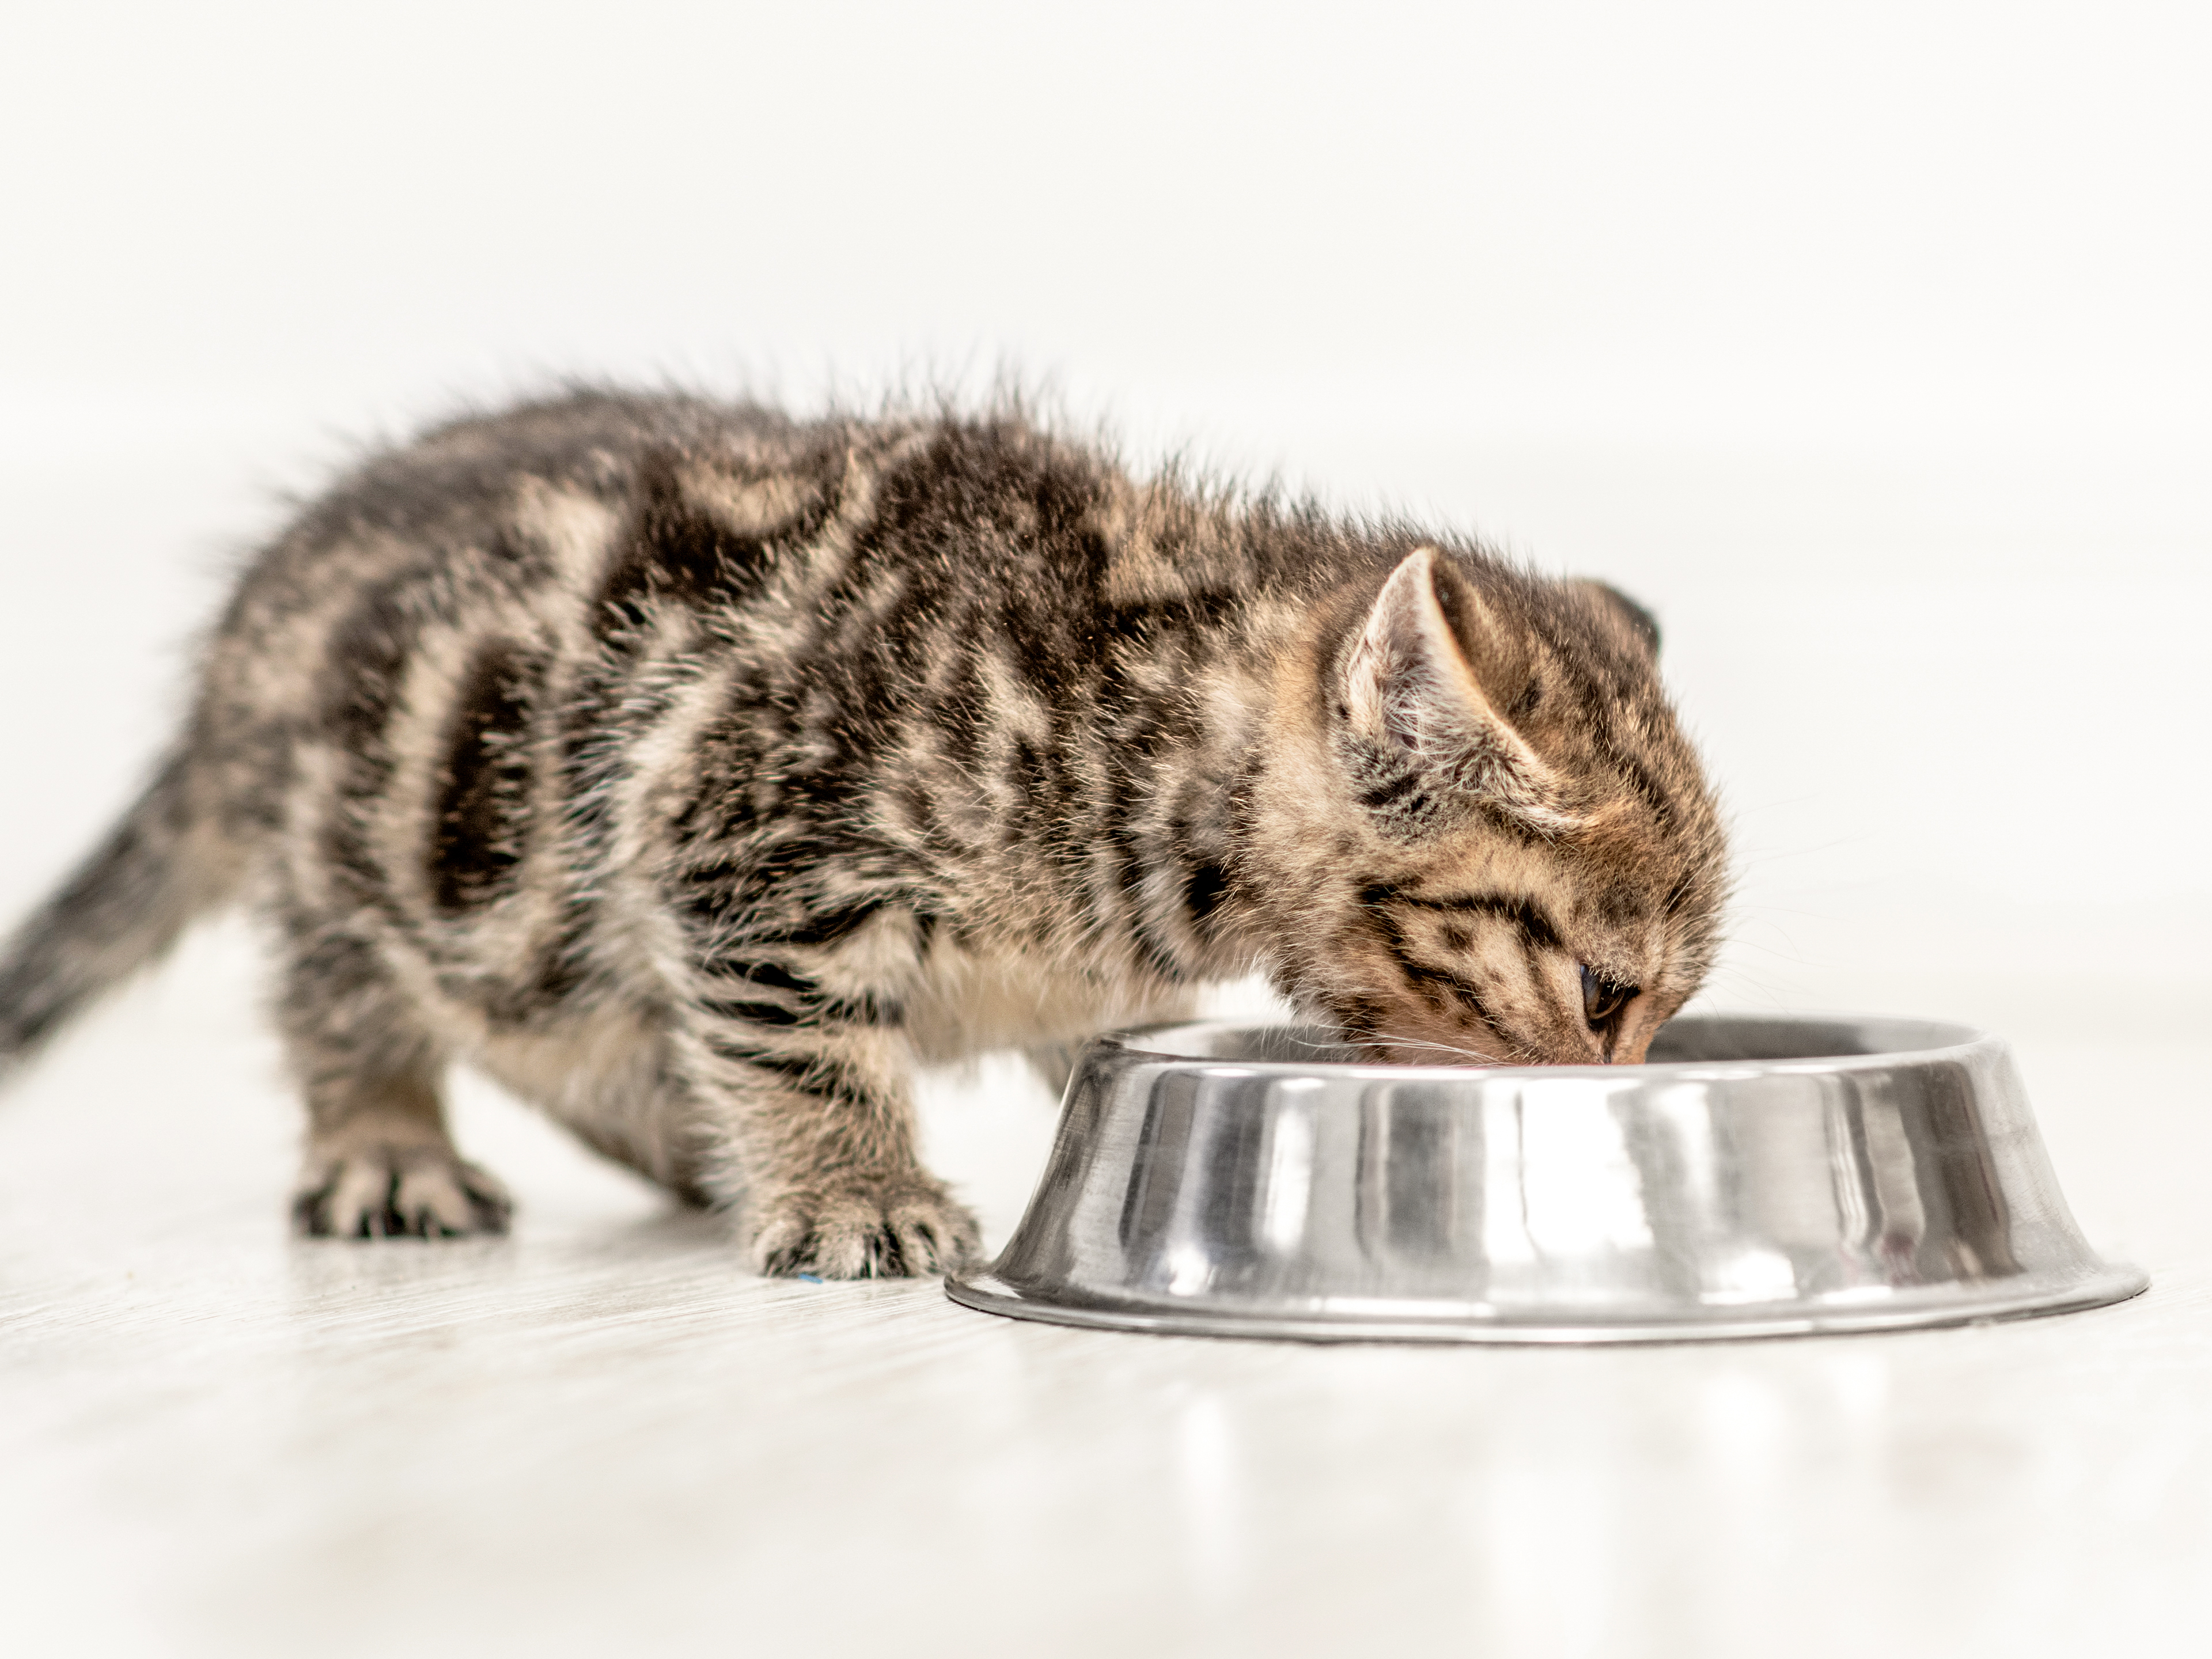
(162, 866)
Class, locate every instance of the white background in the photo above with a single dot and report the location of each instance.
(1868, 344)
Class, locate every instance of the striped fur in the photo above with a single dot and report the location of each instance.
(695, 772)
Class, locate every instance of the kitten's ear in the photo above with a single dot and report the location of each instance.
(1623, 612)
(1413, 687)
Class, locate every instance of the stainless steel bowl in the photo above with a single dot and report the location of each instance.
(1761, 1176)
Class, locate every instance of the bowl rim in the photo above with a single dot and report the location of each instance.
(1971, 1041)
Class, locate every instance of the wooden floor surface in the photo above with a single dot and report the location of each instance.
(601, 1436)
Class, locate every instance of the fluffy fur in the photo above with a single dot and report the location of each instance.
(694, 771)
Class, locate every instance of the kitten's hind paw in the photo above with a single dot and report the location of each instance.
(903, 1230)
(399, 1192)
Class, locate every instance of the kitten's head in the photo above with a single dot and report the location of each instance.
(1488, 839)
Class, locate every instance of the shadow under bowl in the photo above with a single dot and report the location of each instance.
(1760, 1175)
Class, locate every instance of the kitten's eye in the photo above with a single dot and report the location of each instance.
(1602, 998)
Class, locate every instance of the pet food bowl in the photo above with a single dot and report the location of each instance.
(1760, 1176)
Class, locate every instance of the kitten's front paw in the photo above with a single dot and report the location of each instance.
(877, 1231)
(398, 1192)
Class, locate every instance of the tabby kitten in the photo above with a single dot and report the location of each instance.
(694, 771)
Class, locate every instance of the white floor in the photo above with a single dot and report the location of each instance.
(600, 1436)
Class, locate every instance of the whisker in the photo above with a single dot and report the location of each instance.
(1321, 1047)
(1441, 1047)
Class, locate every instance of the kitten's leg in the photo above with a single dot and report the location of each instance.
(637, 1111)
(378, 1162)
(819, 1128)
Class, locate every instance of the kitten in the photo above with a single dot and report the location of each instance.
(694, 771)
